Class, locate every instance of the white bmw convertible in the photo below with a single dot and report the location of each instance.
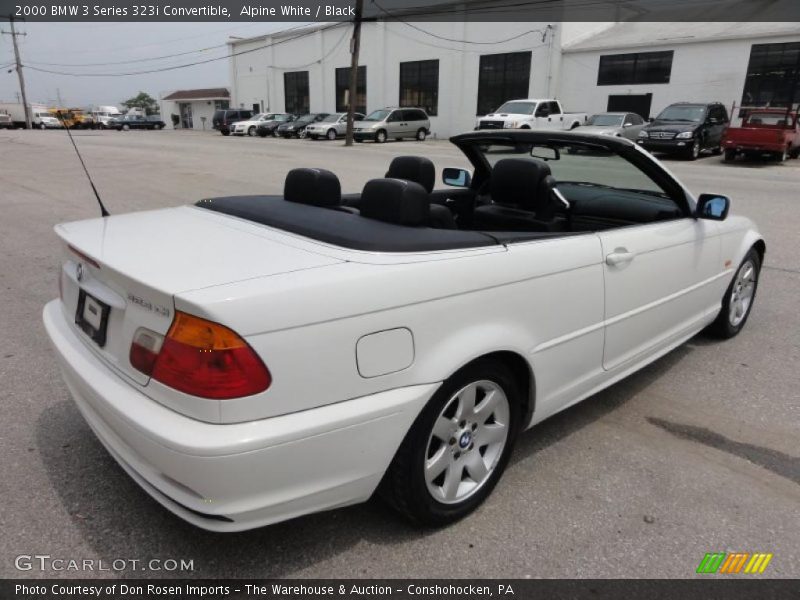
(250, 359)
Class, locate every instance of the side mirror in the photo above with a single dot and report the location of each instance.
(456, 177)
(627, 124)
(713, 207)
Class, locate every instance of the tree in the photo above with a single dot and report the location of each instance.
(143, 101)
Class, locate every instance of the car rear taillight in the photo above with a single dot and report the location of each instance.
(201, 358)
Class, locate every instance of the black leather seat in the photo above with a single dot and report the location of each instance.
(522, 198)
(413, 168)
(419, 169)
(315, 187)
(395, 201)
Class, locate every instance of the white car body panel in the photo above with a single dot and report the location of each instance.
(357, 342)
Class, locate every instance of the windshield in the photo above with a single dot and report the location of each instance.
(305, 119)
(332, 118)
(578, 168)
(517, 108)
(682, 113)
(377, 115)
(605, 120)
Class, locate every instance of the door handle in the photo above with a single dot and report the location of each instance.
(619, 256)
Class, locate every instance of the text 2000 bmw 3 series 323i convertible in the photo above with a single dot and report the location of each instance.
(258, 358)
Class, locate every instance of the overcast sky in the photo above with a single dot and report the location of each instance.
(83, 43)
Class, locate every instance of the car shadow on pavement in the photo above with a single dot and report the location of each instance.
(117, 519)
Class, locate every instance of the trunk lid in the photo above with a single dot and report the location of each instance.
(122, 272)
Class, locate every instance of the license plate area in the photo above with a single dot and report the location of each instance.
(92, 317)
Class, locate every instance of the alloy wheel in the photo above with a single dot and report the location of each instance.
(467, 441)
(742, 293)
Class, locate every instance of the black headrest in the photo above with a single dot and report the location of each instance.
(317, 187)
(516, 181)
(414, 168)
(395, 201)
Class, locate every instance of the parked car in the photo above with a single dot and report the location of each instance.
(297, 128)
(331, 127)
(138, 122)
(270, 127)
(224, 118)
(620, 124)
(6, 122)
(686, 129)
(764, 131)
(531, 113)
(397, 123)
(249, 126)
(441, 327)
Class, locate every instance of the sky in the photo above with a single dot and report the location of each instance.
(84, 43)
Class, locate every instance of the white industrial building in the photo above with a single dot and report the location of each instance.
(460, 70)
(193, 109)
(644, 67)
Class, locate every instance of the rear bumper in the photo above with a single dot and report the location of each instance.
(752, 146)
(244, 475)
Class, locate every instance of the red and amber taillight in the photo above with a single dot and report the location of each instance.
(201, 358)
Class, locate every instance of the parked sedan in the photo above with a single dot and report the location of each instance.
(137, 122)
(331, 127)
(297, 128)
(619, 124)
(250, 126)
(270, 127)
(448, 326)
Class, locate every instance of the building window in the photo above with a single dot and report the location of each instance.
(295, 88)
(221, 104)
(343, 89)
(502, 77)
(635, 68)
(773, 75)
(419, 85)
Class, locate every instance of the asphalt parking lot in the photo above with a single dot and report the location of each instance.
(697, 453)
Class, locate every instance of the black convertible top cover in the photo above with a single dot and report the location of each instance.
(342, 228)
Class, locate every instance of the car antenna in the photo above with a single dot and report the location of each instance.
(103, 211)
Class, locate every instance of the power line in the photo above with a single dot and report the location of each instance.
(154, 58)
(543, 32)
(183, 66)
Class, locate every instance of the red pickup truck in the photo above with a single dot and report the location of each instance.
(764, 131)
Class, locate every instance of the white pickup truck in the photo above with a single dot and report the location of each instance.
(531, 113)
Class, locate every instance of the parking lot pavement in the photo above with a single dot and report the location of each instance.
(694, 454)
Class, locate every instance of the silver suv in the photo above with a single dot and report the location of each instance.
(331, 126)
(397, 123)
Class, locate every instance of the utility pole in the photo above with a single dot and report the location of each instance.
(14, 35)
(355, 43)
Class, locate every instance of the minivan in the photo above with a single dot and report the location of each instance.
(397, 123)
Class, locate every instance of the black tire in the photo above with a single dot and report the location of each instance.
(126, 127)
(42, 126)
(795, 153)
(717, 150)
(404, 486)
(358, 140)
(331, 134)
(380, 136)
(781, 156)
(730, 156)
(251, 131)
(224, 132)
(261, 133)
(421, 134)
(723, 327)
(694, 151)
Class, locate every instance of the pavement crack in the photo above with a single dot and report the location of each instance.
(779, 463)
(781, 269)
